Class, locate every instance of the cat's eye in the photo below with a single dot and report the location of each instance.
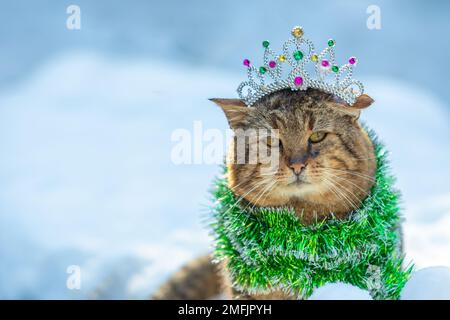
(317, 136)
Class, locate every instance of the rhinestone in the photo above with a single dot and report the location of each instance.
(297, 32)
(298, 81)
(298, 55)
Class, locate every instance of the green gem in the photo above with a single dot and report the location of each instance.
(331, 43)
(262, 70)
(335, 68)
(298, 55)
(265, 44)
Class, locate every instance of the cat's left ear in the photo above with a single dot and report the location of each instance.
(235, 110)
(362, 102)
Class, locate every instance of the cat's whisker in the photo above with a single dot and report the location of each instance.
(345, 195)
(242, 182)
(257, 185)
(265, 191)
(270, 174)
(258, 196)
(350, 172)
(283, 176)
(332, 189)
(347, 192)
(368, 159)
(330, 186)
(323, 195)
(364, 159)
(236, 186)
(348, 181)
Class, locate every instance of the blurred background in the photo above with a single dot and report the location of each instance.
(86, 117)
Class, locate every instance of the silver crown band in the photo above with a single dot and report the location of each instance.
(270, 78)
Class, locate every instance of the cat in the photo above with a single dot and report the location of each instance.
(326, 167)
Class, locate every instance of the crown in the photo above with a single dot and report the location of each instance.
(290, 70)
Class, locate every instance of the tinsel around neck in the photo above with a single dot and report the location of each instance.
(269, 249)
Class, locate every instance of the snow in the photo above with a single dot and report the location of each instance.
(414, 126)
(340, 291)
(431, 283)
(86, 176)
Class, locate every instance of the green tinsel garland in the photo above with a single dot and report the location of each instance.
(269, 248)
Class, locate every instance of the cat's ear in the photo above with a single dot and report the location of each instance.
(354, 110)
(235, 110)
(362, 102)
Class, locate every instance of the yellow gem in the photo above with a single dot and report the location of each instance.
(314, 57)
(297, 32)
(282, 58)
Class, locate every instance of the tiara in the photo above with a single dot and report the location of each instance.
(289, 70)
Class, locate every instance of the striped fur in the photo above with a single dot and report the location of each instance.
(345, 158)
(199, 279)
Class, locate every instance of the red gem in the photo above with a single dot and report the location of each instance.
(298, 81)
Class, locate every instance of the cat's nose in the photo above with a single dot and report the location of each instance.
(297, 167)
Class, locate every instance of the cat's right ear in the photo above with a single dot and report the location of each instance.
(235, 110)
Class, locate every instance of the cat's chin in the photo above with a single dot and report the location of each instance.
(300, 190)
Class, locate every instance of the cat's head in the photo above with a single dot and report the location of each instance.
(324, 159)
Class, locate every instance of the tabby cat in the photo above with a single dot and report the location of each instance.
(326, 168)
